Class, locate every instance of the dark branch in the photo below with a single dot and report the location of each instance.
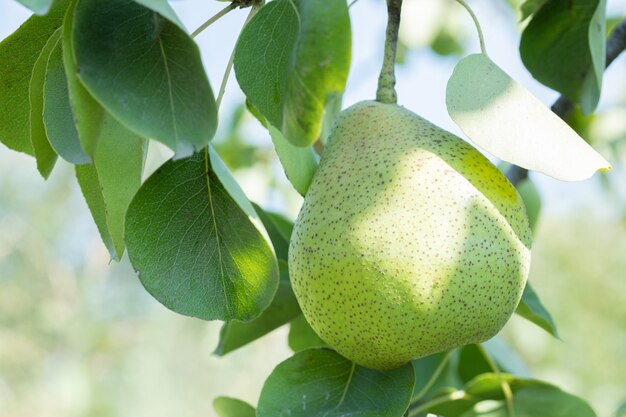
(563, 107)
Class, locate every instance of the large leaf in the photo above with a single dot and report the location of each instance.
(45, 155)
(558, 48)
(195, 249)
(18, 54)
(503, 118)
(38, 6)
(232, 407)
(302, 336)
(531, 308)
(320, 382)
(57, 111)
(118, 165)
(290, 57)
(146, 71)
(283, 309)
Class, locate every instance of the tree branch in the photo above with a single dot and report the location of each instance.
(563, 106)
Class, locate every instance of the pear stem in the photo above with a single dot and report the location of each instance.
(386, 92)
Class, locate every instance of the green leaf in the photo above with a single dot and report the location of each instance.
(279, 230)
(290, 57)
(118, 164)
(331, 112)
(299, 163)
(302, 336)
(236, 334)
(558, 44)
(488, 386)
(46, 156)
(88, 113)
(339, 388)
(425, 368)
(621, 410)
(531, 308)
(18, 54)
(503, 118)
(57, 111)
(195, 249)
(529, 7)
(471, 363)
(163, 8)
(507, 358)
(232, 407)
(146, 71)
(533, 402)
(40, 7)
(532, 200)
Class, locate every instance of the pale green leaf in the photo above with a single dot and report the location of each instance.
(163, 8)
(40, 7)
(232, 407)
(290, 57)
(146, 71)
(18, 54)
(299, 163)
(532, 200)
(503, 118)
(592, 85)
(46, 156)
(57, 111)
(340, 388)
(195, 249)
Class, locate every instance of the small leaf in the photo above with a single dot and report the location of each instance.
(18, 54)
(118, 164)
(46, 156)
(425, 368)
(302, 336)
(340, 388)
(283, 309)
(299, 164)
(531, 308)
(232, 407)
(146, 71)
(488, 385)
(279, 230)
(557, 47)
(290, 57)
(503, 118)
(57, 111)
(532, 200)
(40, 7)
(592, 85)
(195, 249)
(529, 7)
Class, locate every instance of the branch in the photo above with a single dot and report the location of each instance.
(563, 107)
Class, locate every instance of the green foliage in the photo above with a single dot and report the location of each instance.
(341, 388)
(232, 407)
(302, 336)
(40, 7)
(569, 31)
(532, 309)
(154, 84)
(195, 249)
(290, 58)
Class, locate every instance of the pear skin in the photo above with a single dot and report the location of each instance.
(409, 241)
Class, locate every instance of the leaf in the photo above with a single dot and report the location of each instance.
(532, 200)
(320, 382)
(57, 111)
(232, 407)
(289, 58)
(507, 358)
(18, 54)
(118, 165)
(425, 368)
(471, 363)
(529, 7)
(44, 154)
(531, 308)
(299, 163)
(279, 230)
(503, 118)
(196, 251)
(302, 336)
(88, 113)
(146, 72)
(163, 8)
(40, 7)
(621, 410)
(488, 385)
(557, 48)
(236, 334)
(331, 112)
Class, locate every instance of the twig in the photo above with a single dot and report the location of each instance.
(563, 106)
(434, 376)
(214, 18)
(476, 23)
(386, 92)
(506, 388)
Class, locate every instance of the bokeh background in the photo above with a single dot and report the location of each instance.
(79, 336)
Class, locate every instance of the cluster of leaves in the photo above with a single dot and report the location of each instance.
(93, 82)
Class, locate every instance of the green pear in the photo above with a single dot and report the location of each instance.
(409, 241)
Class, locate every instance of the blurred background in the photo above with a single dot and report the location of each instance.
(79, 336)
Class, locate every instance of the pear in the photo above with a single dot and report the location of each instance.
(409, 241)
